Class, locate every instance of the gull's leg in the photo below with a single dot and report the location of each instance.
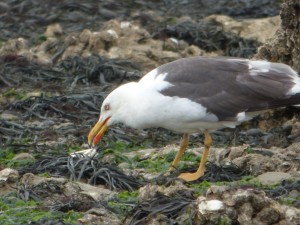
(201, 169)
(183, 146)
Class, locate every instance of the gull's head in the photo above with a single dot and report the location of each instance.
(113, 110)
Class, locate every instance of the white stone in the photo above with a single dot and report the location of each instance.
(113, 33)
(8, 174)
(207, 206)
(125, 24)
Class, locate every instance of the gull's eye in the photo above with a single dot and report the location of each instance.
(107, 107)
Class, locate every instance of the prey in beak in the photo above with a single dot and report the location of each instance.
(97, 132)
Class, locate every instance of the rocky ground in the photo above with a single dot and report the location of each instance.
(60, 59)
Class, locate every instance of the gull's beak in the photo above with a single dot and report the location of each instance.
(97, 132)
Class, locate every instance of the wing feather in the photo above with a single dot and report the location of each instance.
(228, 86)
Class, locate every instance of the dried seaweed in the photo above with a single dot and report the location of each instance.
(81, 167)
(78, 106)
(228, 172)
(62, 202)
(198, 9)
(210, 36)
(215, 172)
(60, 116)
(66, 74)
(49, 221)
(80, 110)
(284, 189)
(29, 18)
(171, 207)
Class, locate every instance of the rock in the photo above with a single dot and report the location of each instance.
(193, 50)
(261, 29)
(116, 39)
(30, 179)
(97, 193)
(217, 190)
(156, 219)
(100, 216)
(218, 154)
(85, 35)
(8, 175)
(8, 116)
(267, 216)
(283, 46)
(211, 212)
(79, 195)
(293, 150)
(294, 194)
(173, 44)
(271, 178)
(285, 167)
(24, 156)
(256, 164)
(13, 46)
(293, 215)
(167, 149)
(53, 30)
(71, 39)
(177, 186)
(146, 176)
(250, 207)
(236, 152)
(42, 59)
(8, 179)
(150, 190)
(259, 161)
(142, 154)
(245, 213)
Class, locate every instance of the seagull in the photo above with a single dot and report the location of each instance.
(199, 94)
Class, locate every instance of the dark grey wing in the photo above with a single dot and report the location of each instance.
(228, 86)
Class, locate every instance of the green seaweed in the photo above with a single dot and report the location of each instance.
(6, 159)
(16, 211)
(124, 202)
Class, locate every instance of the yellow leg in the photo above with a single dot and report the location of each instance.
(183, 146)
(201, 169)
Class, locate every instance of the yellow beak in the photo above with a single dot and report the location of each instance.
(97, 132)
